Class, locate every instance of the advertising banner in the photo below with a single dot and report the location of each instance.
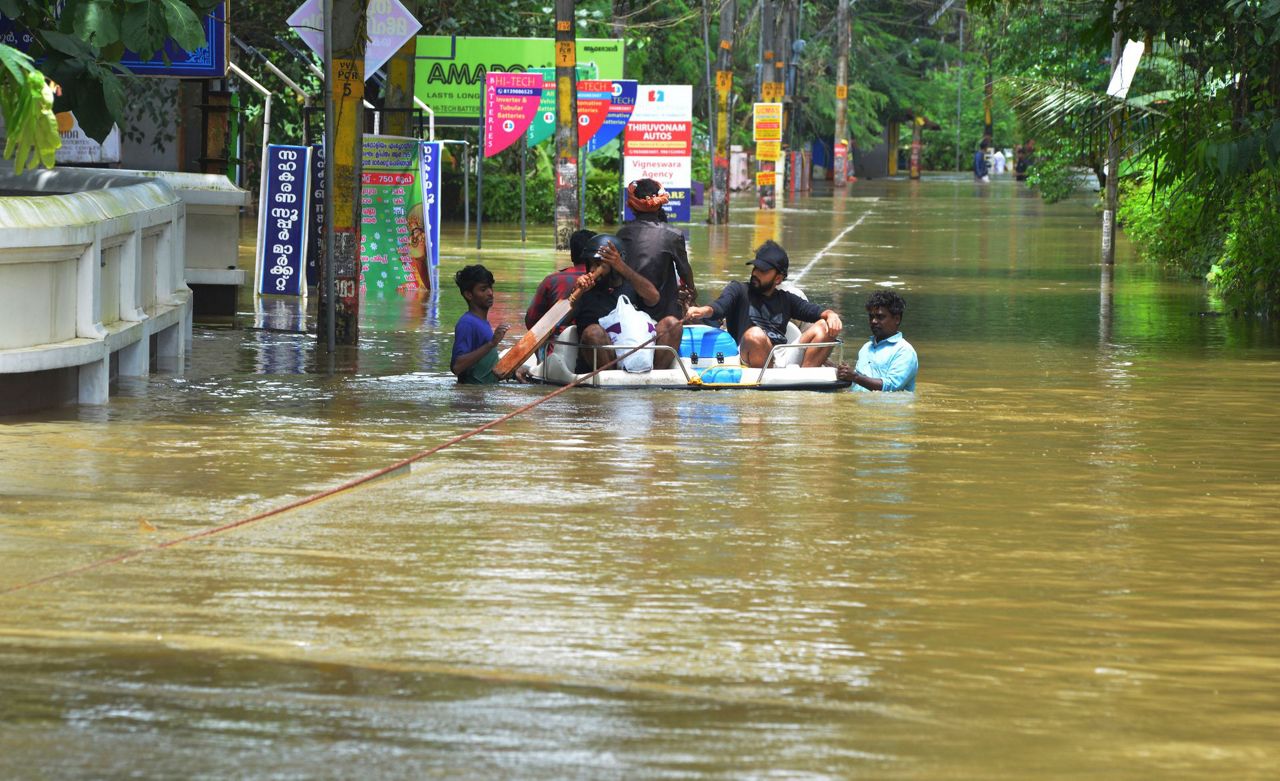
(544, 122)
(511, 101)
(393, 236)
(658, 144)
(449, 71)
(429, 167)
(769, 151)
(767, 122)
(594, 97)
(315, 225)
(78, 147)
(622, 104)
(282, 222)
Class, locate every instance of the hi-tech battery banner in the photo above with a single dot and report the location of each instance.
(622, 102)
(658, 144)
(594, 97)
(393, 230)
(282, 222)
(449, 70)
(511, 101)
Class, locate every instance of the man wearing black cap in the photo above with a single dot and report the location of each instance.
(757, 313)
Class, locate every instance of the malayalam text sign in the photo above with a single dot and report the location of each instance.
(393, 235)
(449, 71)
(282, 222)
(388, 26)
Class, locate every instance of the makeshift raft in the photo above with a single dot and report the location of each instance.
(708, 360)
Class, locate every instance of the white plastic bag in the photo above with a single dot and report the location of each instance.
(628, 327)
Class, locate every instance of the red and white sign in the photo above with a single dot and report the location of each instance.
(594, 99)
(658, 141)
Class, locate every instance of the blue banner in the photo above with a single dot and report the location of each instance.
(621, 104)
(315, 224)
(282, 222)
(429, 171)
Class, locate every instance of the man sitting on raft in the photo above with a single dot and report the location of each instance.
(602, 298)
(757, 313)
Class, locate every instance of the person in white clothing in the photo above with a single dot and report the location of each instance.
(997, 163)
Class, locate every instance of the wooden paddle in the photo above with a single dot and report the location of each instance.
(538, 335)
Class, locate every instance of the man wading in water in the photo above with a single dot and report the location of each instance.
(656, 250)
(887, 362)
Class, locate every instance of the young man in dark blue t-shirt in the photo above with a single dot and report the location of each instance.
(475, 342)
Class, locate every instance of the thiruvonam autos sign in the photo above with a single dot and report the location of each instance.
(449, 71)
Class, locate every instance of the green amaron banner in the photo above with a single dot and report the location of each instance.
(449, 70)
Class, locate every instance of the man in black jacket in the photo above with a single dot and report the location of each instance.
(757, 313)
(656, 250)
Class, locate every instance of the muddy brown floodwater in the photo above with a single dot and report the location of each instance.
(1059, 559)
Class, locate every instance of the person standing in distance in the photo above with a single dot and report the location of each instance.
(887, 362)
(656, 250)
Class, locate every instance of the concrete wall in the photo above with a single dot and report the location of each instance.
(91, 273)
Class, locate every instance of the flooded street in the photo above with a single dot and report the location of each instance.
(1060, 558)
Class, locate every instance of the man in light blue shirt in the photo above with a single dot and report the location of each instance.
(888, 362)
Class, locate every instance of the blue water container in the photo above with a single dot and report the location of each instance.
(707, 342)
(722, 375)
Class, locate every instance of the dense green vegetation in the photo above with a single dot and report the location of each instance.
(1201, 182)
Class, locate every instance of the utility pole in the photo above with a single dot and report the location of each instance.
(1112, 167)
(840, 144)
(398, 97)
(344, 124)
(766, 191)
(719, 212)
(566, 125)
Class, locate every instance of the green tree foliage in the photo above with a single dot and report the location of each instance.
(79, 47)
(1205, 153)
(26, 104)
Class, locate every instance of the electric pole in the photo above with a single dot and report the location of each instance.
(840, 144)
(344, 123)
(566, 125)
(719, 212)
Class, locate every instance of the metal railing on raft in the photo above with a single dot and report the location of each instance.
(690, 379)
(797, 345)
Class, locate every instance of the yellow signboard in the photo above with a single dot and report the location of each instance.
(842, 91)
(766, 178)
(773, 91)
(767, 122)
(769, 151)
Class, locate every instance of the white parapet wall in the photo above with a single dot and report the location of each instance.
(213, 204)
(91, 269)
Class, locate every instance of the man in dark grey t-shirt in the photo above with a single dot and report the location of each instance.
(756, 313)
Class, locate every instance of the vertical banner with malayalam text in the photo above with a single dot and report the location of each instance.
(282, 222)
(658, 144)
(393, 237)
(511, 103)
(429, 154)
